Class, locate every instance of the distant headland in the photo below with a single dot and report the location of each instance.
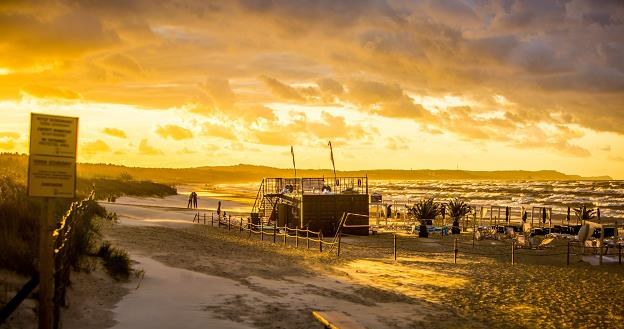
(17, 164)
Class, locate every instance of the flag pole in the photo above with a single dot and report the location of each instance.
(292, 152)
(331, 153)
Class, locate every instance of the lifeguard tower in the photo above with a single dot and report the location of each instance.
(315, 203)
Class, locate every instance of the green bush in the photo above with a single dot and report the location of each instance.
(19, 228)
(116, 261)
(106, 188)
(20, 216)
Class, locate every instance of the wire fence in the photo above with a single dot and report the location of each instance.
(403, 244)
(66, 255)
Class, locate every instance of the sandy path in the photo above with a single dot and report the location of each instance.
(263, 285)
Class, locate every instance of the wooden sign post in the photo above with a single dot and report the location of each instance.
(51, 174)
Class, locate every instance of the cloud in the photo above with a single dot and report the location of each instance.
(220, 92)
(122, 64)
(304, 130)
(146, 149)
(330, 86)
(366, 93)
(556, 62)
(51, 92)
(186, 151)
(174, 132)
(95, 147)
(115, 132)
(8, 140)
(281, 89)
(220, 131)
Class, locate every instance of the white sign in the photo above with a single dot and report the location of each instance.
(52, 159)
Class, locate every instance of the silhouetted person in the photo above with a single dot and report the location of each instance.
(525, 215)
(219, 209)
(194, 200)
(190, 200)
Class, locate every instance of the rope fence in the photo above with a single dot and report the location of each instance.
(400, 243)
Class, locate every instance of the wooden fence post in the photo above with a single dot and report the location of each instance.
(308, 237)
(46, 266)
(320, 241)
(455, 251)
(620, 254)
(261, 231)
(249, 228)
(274, 231)
(568, 255)
(394, 240)
(285, 235)
(297, 237)
(240, 227)
(212, 220)
(229, 222)
(204, 218)
(339, 235)
(513, 252)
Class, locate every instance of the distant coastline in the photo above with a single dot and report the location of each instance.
(242, 173)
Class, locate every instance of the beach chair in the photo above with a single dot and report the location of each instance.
(336, 320)
(545, 243)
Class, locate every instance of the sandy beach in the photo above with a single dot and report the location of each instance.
(200, 276)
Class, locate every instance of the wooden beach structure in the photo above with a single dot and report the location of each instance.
(314, 203)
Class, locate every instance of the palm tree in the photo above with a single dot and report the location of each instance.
(457, 209)
(425, 210)
(584, 213)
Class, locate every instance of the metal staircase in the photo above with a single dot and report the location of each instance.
(270, 195)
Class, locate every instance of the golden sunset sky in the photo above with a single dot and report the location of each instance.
(479, 85)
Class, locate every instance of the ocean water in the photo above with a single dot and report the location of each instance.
(607, 195)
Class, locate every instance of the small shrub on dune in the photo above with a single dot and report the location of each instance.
(19, 227)
(116, 261)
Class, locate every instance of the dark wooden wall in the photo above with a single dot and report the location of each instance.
(322, 212)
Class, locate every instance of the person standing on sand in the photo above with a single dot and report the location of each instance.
(194, 200)
(190, 200)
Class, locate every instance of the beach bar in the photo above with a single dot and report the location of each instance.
(314, 203)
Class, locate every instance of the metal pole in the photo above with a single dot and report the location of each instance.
(308, 237)
(212, 220)
(46, 266)
(455, 250)
(261, 231)
(285, 235)
(321, 241)
(339, 235)
(394, 240)
(274, 231)
(513, 252)
(568, 255)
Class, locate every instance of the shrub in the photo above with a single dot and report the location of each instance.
(116, 261)
(19, 227)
